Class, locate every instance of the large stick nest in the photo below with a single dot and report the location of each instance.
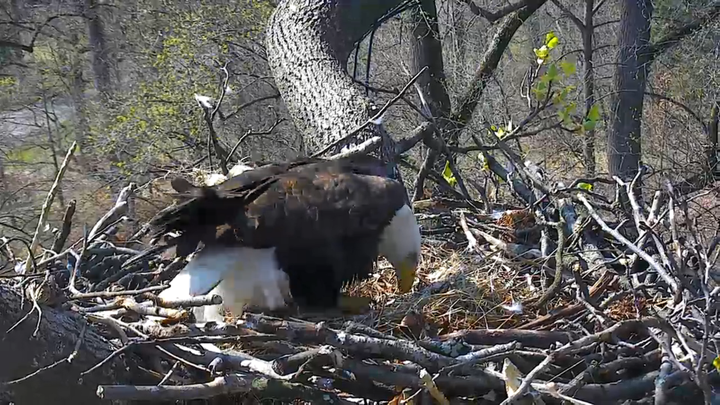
(492, 319)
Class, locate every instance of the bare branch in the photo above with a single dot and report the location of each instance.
(494, 16)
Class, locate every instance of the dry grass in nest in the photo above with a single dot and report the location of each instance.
(627, 308)
(456, 291)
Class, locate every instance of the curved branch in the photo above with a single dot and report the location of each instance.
(308, 44)
(681, 105)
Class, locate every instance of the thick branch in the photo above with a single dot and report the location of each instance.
(57, 337)
(467, 102)
(676, 35)
(494, 16)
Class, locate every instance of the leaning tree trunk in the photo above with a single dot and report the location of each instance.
(308, 45)
(58, 332)
(623, 148)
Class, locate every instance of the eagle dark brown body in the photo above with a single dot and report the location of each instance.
(324, 220)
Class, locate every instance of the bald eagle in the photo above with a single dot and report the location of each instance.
(303, 229)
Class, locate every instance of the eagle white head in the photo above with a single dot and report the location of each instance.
(400, 244)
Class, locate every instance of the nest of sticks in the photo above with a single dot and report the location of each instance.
(496, 316)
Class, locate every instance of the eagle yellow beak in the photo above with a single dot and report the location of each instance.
(405, 271)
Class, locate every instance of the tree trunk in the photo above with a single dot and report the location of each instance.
(16, 34)
(308, 45)
(98, 48)
(589, 86)
(82, 128)
(427, 51)
(623, 150)
(712, 150)
(463, 110)
(58, 333)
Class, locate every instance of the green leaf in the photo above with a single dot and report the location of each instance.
(593, 116)
(552, 72)
(448, 175)
(568, 68)
(589, 125)
(585, 186)
(565, 113)
(549, 37)
(553, 42)
(594, 113)
(540, 90)
(571, 107)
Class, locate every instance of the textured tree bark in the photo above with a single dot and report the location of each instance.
(712, 149)
(427, 51)
(23, 354)
(77, 93)
(308, 45)
(589, 86)
(98, 48)
(623, 146)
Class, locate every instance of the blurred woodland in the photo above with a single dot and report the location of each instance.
(119, 78)
(493, 103)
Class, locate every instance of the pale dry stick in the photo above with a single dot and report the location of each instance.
(375, 117)
(251, 363)
(229, 384)
(637, 215)
(180, 359)
(47, 204)
(483, 355)
(551, 389)
(472, 240)
(111, 323)
(655, 208)
(410, 400)
(148, 309)
(116, 324)
(527, 381)
(157, 331)
(674, 233)
(515, 249)
(197, 301)
(107, 359)
(32, 291)
(120, 205)
(76, 269)
(169, 373)
(572, 346)
(365, 147)
(615, 234)
(430, 386)
(110, 294)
